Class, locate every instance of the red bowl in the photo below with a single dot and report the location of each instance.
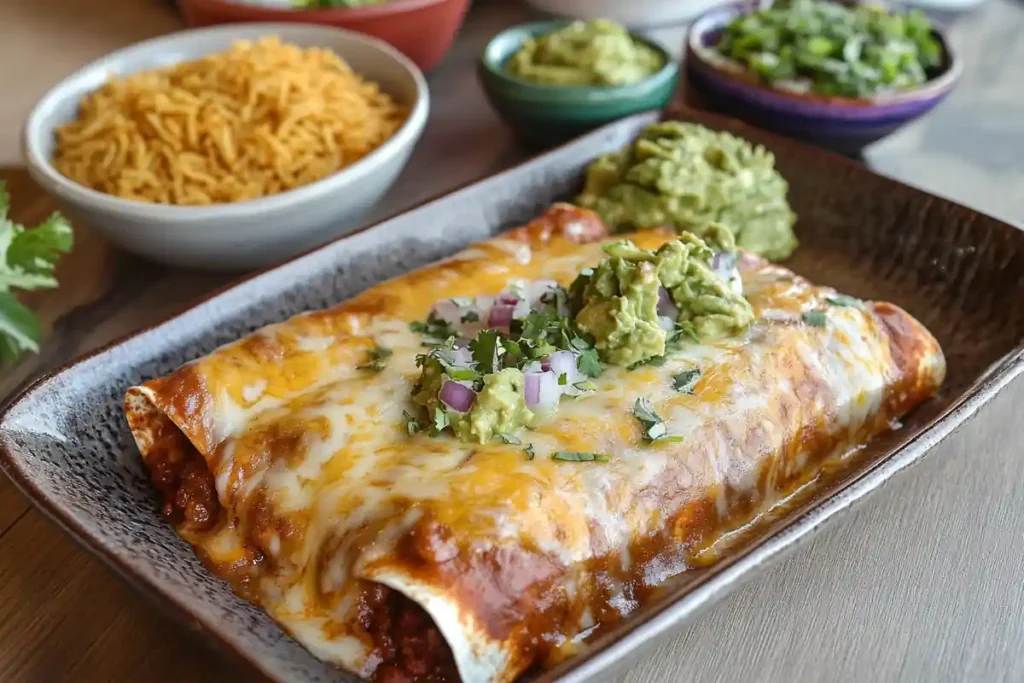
(422, 29)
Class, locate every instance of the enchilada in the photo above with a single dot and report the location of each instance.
(304, 470)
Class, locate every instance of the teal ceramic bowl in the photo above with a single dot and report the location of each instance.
(550, 114)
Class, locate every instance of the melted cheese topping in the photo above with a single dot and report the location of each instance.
(320, 485)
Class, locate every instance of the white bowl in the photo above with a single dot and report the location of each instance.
(246, 234)
(631, 13)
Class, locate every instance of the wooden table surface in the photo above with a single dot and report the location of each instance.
(921, 583)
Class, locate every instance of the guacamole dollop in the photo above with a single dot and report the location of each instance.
(598, 52)
(687, 176)
(499, 407)
(621, 299)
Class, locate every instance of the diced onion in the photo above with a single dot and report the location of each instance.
(501, 315)
(724, 265)
(563, 363)
(541, 391)
(462, 358)
(521, 310)
(535, 366)
(507, 297)
(484, 303)
(457, 396)
(448, 311)
(667, 307)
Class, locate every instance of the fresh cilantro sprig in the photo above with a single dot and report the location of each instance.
(27, 260)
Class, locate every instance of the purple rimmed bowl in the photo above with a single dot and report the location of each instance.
(846, 125)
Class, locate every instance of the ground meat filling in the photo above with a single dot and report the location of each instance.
(186, 485)
(409, 646)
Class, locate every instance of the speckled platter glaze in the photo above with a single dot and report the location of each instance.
(65, 443)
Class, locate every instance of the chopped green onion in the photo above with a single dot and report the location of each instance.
(573, 456)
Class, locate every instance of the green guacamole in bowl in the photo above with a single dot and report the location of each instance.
(585, 53)
(548, 99)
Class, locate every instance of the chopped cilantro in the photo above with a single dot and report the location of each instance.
(656, 361)
(470, 317)
(682, 331)
(544, 332)
(434, 329)
(530, 454)
(644, 411)
(589, 363)
(485, 349)
(513, 356)
(686, 380)
(563, 379)
(654, 426)
(440, 421)
(576, 289)
(580, 343)
(656, 431)
(572, 456)
(462, 374)
(438, 354)
(536, 324)
(509, 438)
(412, 425)
(378, 356)
(815, 318)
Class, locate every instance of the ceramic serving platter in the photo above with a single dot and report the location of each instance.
(65, 443)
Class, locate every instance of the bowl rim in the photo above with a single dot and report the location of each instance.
(700, 56)
(595, 93)
(316, 14)
(65, 188)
